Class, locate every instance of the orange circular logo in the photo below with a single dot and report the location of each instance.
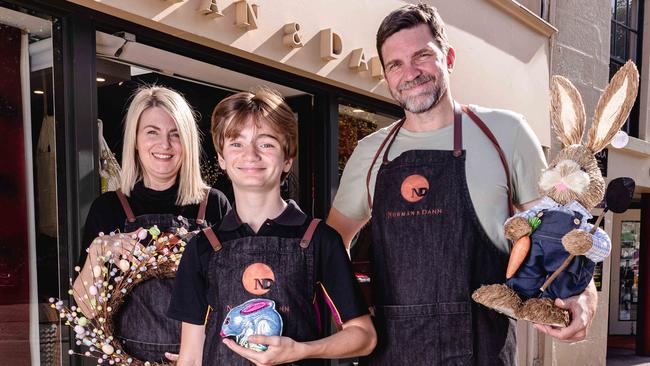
(258, 278)
(414, 188)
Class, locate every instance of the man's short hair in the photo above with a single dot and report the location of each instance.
(262, 105)
(410, 16)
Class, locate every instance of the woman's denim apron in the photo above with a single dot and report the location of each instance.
(141, 325)
(429, 252)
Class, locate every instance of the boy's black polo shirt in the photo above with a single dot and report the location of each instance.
(333, 271)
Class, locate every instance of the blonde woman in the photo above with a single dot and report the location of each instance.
(161, 185)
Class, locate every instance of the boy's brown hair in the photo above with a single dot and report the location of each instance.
(262, 105)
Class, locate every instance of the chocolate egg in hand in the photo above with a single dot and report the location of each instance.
(254, 317)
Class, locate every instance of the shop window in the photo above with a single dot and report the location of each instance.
(625, 44)
(355, 123)
(629, 270)
(30, 331)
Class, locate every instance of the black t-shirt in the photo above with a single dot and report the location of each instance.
(106, 213)
(333, 270)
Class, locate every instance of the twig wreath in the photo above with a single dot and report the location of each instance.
(114, 276)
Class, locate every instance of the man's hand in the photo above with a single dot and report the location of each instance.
(281, 350)
(582, 308)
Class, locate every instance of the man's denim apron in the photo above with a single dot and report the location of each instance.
(429, 253)
(292, 263)
(141, 325)
(547, 254)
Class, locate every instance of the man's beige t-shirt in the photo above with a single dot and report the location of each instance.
(486, 179)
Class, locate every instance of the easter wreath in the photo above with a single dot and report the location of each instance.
(115, 276)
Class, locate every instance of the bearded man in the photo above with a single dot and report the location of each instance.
(438, 185)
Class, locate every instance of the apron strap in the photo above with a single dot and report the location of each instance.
(200, 217)
(381, 147)
(477, 120)
(212, 238)
(125, 205)
(306, 239)
(458, 130)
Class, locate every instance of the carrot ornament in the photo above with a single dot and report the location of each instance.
(520, 249)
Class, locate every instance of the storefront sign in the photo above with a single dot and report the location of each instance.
(247, 16)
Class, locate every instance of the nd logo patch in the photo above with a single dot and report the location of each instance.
(414, 188)
(258, 278)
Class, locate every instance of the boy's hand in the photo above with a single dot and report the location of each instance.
(281, 350)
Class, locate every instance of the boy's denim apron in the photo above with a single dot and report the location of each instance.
(429, 253)
(547, 254)
(141, 325)
(292, 263)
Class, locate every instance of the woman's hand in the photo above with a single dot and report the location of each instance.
(119, 247)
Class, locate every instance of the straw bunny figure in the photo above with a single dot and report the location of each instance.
(556, 228)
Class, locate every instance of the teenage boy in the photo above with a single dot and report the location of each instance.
(265, 237)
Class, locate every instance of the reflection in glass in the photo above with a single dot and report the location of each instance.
(629, 270)
(29, 258)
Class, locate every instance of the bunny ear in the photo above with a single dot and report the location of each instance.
(567, 111)
(613, 107)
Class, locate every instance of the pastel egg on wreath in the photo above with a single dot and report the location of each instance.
(108, 349)
(124, 265)
(97, 270)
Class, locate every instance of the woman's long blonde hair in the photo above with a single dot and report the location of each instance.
(191, 188)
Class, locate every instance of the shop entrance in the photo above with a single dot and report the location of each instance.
(123, 65)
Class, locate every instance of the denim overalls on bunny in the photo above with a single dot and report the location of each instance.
(547, 254)
(141, 325)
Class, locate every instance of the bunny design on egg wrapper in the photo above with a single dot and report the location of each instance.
(555, 248)
(254, 317)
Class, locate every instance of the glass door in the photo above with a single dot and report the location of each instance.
(623, 298)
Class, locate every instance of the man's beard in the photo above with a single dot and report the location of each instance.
(431, 94)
